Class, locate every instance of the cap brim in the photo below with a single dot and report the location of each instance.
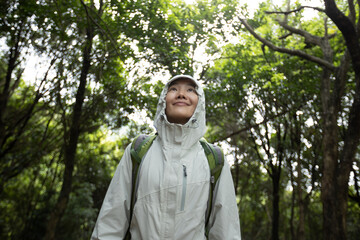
(177, 77)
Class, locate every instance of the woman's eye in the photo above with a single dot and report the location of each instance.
(172, 89)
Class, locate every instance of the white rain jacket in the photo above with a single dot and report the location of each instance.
(173, 188)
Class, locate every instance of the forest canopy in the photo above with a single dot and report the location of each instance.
(79, 79)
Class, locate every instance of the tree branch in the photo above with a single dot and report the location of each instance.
(106, 31)
(352, 13)
(348, 30)
(292, 52)
(295, 10)
(254, 125)
(308, 37)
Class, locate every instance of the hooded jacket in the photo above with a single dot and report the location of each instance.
(173, 187)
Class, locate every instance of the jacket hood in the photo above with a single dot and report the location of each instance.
(185, 135)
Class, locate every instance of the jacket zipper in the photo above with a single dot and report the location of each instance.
(183, 189)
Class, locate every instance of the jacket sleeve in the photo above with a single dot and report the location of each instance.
(224, 223)
(113, 219)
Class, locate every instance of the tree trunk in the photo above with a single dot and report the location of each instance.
(71, 146)
(237, 171)
(299, 179)
(330, 156)
(276, 200)
(347, 158)
(292, 213)
(301, 225)
(335, 205)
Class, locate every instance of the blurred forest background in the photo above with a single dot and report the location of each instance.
(80, 78)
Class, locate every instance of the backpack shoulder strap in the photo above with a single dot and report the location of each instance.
(139, 147)
(215, 157)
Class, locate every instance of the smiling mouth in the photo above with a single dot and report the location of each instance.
(181, 104)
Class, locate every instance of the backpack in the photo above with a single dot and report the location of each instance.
(141, 145)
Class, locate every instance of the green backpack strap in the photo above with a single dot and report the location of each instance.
(215, 157)
(139, 147)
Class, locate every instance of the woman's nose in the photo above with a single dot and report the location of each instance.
(181, 94)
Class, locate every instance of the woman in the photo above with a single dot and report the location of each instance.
(173, 180)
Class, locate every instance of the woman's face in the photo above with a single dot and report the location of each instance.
(181, 101)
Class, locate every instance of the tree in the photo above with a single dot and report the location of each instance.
(337, 157)
(15, 117)
(94, 51)
(259, 97)
(74, 132)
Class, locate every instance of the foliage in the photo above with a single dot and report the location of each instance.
(270, 106)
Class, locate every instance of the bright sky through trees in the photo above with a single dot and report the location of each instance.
(36, 65)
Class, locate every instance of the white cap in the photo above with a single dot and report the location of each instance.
(182, 77)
